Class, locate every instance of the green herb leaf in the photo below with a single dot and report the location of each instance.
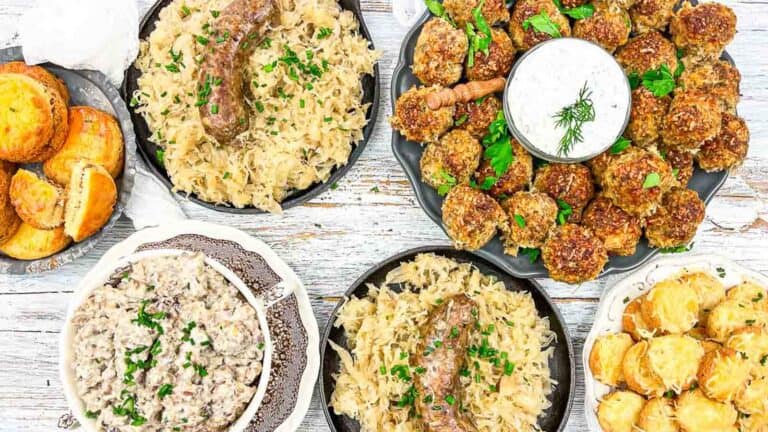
(660, 81)
(634, 80)
(324, 32)
(164, 390)
(92, 414)
(579, 12)
(542, 23)
(520, 221)
(620, 145)
(436, 8)
(680, 65)
(532, 254)
(450, 400)
(676, 249)
(565, 210)
(652, 180)
(500, 155)
(572, 118)
(449, 182)
(461, 120)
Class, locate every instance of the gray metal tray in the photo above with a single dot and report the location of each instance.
(409, 153)
(92, 89)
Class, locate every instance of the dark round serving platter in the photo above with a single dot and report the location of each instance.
(562, 364)
(148, 149)
(409, 154)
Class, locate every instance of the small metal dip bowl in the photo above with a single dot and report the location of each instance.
(523, 140)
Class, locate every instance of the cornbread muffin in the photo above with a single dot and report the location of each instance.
(573, 254)
(531, 216)
(649, 15)
(676, 220)
(38, 202)
(704, 29)
(620, 411)
(571, 183)
(416, 121)
(91, 197)
(450, 161)
(694, 116)
(498, 62)
(647, 51)
(607, 355)
(471, 217)
(619, 231)
(438, 57)
(475, 116)
(94, 136)
(636, 180)
(38, 73)
(646, 117)
(671, 307)
(30, 243)
(494, 11)
(517, 177)
(524, 39)
(728, 148)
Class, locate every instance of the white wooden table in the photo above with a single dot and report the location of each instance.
(370, 216)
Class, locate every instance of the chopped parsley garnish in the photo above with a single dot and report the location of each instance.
(572, 119)
(520, 221)
(764, 360)
(634, 80)
(449, 182)
(498, 146)
(204, 91)
(479, 35)
(187, 331)
(564, 211)
(437, 9)
(383, 370)
(509, 367)
(128, 409)
(160, 156)
(620, 145)
(579, 12)
(659, 81)
(450, 399)
(260, 345)
(164, 390)
(676, 249)
(669, 394)
(542, 23)
(720, 272)
(202, 40)
(402, 372)
(324, 32)
(334, 186)
(428, 399)
(454, 332)
(92, 414)
(185, 12)
(653, 179)
(749, 322)
(215, 13)
(200, 369)
(461, 120)
(680, 65)
(531, 253)
(487, 183)
(757, 298)
(223, 38)
(214, 109)
(146, 319)
(172, 67)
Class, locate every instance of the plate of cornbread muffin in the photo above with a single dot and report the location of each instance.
(65, 167)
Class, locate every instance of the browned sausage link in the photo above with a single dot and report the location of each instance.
(441, 352)
(239, 28)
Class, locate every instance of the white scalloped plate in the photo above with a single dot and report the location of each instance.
(614, 300)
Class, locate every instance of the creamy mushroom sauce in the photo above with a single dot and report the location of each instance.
(168, 345)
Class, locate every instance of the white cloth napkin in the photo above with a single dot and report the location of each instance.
(98, 35)
(407, 12)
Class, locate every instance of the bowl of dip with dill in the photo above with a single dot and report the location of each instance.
(567, 100)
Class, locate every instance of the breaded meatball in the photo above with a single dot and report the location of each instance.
(517, 177)
(719, 79)
(619, 231)
(571, 183)
(676, 220)
(636, 180)
(649, 15)
(531, 216)
(704, 29)
(416, 121)
(476, 116)
(568, 4)
(454, 158)
(598, 165)
(471, 217)
(523, 38)
(608, 27)
(439, 54)
(647, 52)
(494, 11)
(498, 62)
(646, 117)
(9, 220)
(693, 117)
(681, 162)
(573, 254)
(728, 149)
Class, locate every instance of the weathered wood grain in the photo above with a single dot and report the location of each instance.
(370, 216)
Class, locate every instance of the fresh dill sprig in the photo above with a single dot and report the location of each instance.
(572, 118)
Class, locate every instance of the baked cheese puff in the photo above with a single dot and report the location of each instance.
(671, 306)
(675, 359)
(620, 411)
(697, 413)
(723, 373)
(658, 415)
(607, 355)
(638, 374)
(632, 321)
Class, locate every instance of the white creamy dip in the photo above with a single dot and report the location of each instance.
(549, 78)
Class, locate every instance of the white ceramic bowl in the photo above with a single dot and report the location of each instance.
(614, 301)
(99, 276)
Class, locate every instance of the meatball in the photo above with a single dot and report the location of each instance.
(439, 54)
(607, 27)
(648, 15)
(526, 36)
(703, 30)
(494, 11)
(531, 215)
(571, 183)
(568, 4)
(646, 117)
(636, 180)
(719, 78)
(471, 217)
(476, 116)
(572, 254)
(619, 231)
(681, 162)
(676, 220)
(450, 161)
(598, 165)
(647, 52)
(694, 116)
(416, 121)
(620, 4)
(497, 63)
(728, 149)
(517, 177)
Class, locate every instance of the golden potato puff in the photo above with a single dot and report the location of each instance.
(30, 243)
(752, 341)
(637, 373)
(710, 346)
(697, 413)
(709, 289)
(607, 355)
(39, 74)
(753, 423)
(632, 321)
(671, 307)
(749, 294)
(620, 411)
(33, 119)
(675, 359)
(730, 316)
(38, 202)
(94, 136)
(658, 415)
(9, 220)
(723, 373)
(91, 199)
(753, 398)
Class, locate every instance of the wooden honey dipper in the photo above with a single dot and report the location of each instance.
(464, 93)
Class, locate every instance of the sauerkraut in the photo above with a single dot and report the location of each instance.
(383, 330)
(302, 125)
